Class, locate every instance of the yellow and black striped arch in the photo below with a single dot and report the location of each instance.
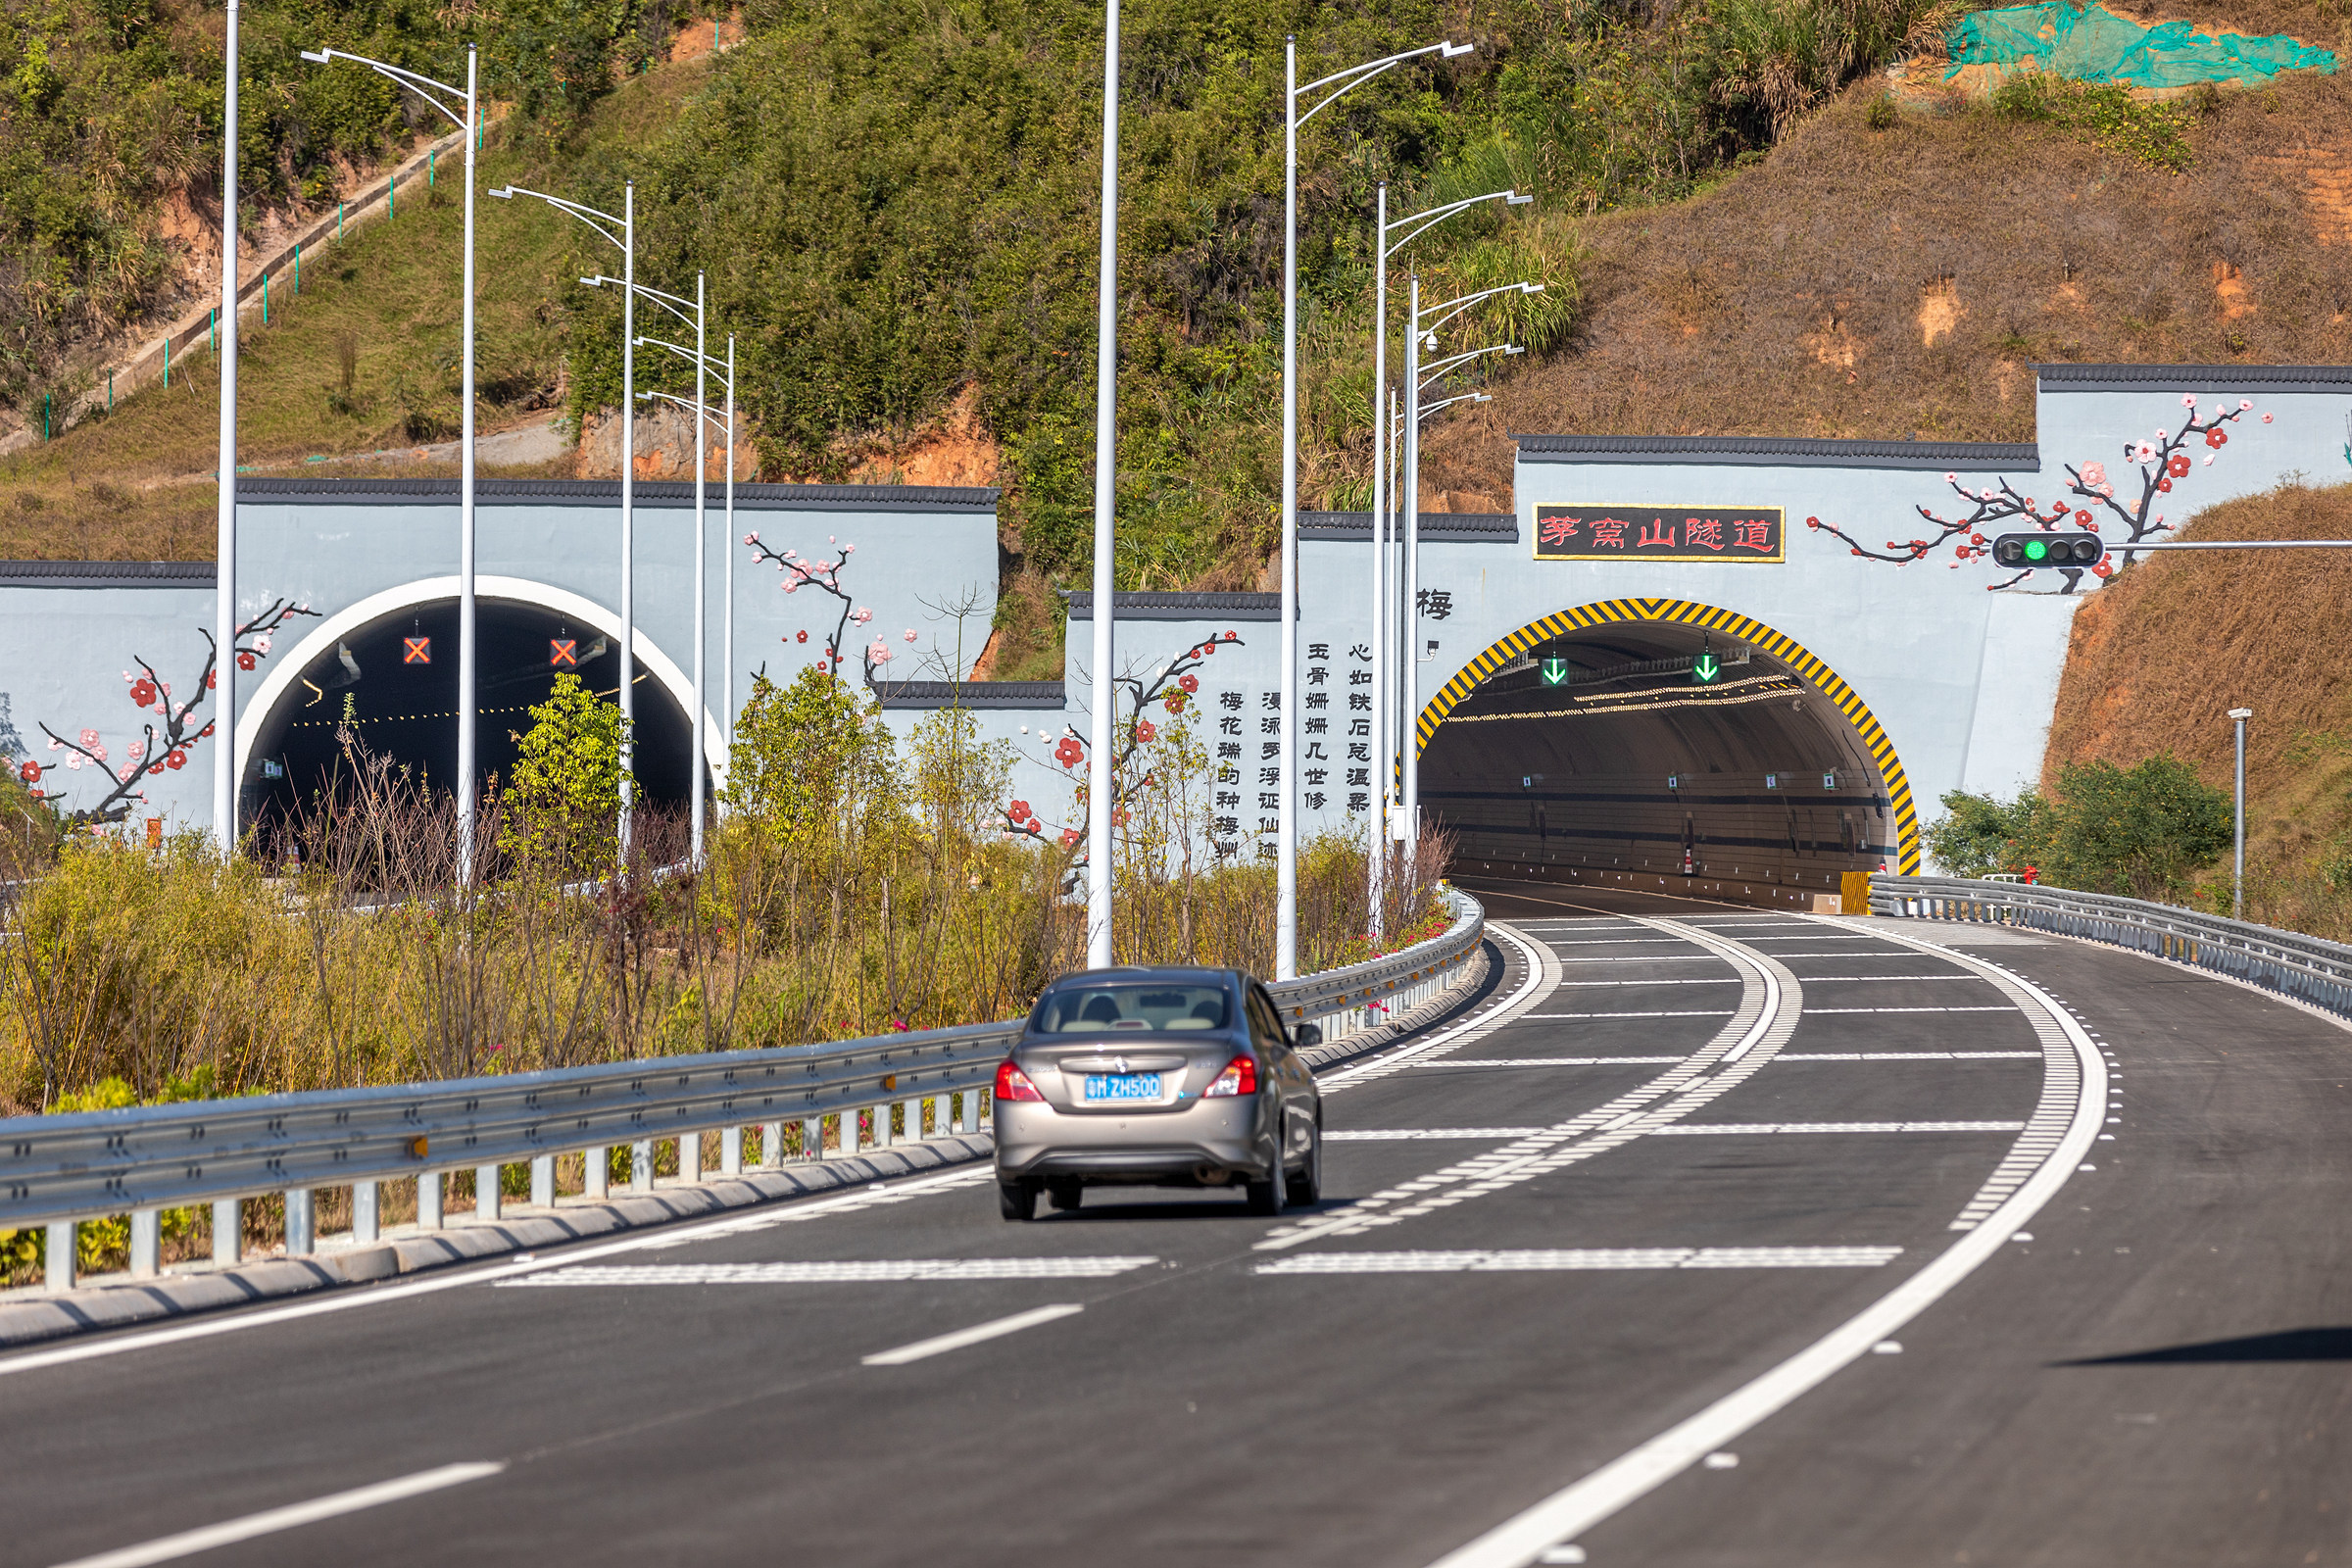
(1707, 617)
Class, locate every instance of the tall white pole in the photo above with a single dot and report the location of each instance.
(224, 612)
(726, 636)
(1393, 629)
(1103, 694)
(628, 497)
(1376, 838)
(702, 586)
(1286, 852)
(1409, 728)
(467, 667)
(2237, 882)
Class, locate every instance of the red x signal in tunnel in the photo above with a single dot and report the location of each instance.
(564, 653)
(416, 651)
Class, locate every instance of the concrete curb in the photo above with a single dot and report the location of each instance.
(1444, 1004)
(122, 1301)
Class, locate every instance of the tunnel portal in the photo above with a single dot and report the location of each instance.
(1596, 756)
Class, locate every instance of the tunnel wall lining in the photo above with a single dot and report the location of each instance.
(1710, 617)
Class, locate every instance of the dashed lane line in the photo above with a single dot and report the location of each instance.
(1543, 974)
(1517, 1261)
(855, 1271)
(188, 1543)
(1379, 1135)
(1691, 1129)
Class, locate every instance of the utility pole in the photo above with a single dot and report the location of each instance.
(1105, 695)
(224, 612)
(2237, 882)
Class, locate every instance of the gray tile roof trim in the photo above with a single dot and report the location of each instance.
(108, 574)
(1179, 606)
(1041, 695)
(606, 493)
(1486, 527)
(2194, 377)
(1781, 451)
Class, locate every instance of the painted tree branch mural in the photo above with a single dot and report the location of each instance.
(2090, 502)
(1173, 689)
(156, 751)
(800, 571)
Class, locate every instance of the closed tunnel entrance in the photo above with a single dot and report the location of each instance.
(1704, 756)
(394, 682)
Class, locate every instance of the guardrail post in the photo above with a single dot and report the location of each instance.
(910, 1120)
(641, 1166)
(485, 1192)
(301, 1228)
(543, 1181)
(58, 1259)
(812, 1137)
(772, 1144)
(366, 1221)
(730, 1152)
(429, 1193)
(146, 1243)
(985, 1118)
(690, 1156)
(228, 1230)
(597, 1175)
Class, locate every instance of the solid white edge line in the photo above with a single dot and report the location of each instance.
(978, 1332)
(188, 1543)
(1339, 1076)
(457, 1276)
(1576, 1507)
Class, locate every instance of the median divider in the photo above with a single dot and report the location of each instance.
(901, 1103)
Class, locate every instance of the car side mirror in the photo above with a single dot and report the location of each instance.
(1307, 1034)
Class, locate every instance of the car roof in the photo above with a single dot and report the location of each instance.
(1131, 974)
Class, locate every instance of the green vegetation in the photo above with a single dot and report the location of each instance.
(2107, 115)
(564, 797)
(2143, 832)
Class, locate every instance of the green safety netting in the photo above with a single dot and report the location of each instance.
(2094, 44)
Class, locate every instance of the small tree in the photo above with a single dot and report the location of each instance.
(565, 795)
(1983, 835)
(2142, 831)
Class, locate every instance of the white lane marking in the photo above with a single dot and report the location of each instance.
(1666, 957)
(460, 1277)
(1516, 1260)
(1719, 1013)
(1543, 974)
(1389, 1134)
(1576, 1507)
(940, 1345)
(1911, 1056)
(1815, 1012)
(188, 1543)
(1610, 942)
(1687, 1129)
(854, 1271)
(1549, 1061)
(1713, 980)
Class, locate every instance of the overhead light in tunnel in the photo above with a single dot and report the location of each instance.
(1608, 705)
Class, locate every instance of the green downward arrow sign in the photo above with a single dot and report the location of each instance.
(1556, 672)
(1704, 668)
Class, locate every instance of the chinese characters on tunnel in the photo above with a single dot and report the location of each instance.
(1660, 534)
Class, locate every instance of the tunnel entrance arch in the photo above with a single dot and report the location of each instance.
(1776, 777)
(286, 744)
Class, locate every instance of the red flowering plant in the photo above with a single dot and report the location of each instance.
(2089, 502)
(1133, 767)
(166, 737)
(800, 571)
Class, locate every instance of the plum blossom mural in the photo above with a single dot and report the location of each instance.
(1172, 690)
(823, 575)
(166, 736)
(2087, 501)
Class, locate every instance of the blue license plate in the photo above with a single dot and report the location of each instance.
(1102, 1088)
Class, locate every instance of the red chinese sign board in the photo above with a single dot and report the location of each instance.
(1660, 534)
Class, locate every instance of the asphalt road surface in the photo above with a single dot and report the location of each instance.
(1707, 1237)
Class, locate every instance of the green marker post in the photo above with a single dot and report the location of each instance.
(265, 299)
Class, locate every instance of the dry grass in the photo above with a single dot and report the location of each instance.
(2162, 654)
(1899, 282)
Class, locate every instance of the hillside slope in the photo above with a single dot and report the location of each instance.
(2161, 653)
(1883, 282)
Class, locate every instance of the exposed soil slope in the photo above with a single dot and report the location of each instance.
(1867, 282)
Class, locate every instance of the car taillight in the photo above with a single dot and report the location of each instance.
(1239, 1077)
(1013, 1085)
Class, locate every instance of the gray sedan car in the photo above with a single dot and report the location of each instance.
(1158, 1078)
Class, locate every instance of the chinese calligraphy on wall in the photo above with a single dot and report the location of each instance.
(1660, 534)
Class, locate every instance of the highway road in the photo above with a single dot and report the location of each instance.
(1702, 1235)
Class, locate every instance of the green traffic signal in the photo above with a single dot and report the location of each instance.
(2032, 550)
(1706, 670)
(1555, 672)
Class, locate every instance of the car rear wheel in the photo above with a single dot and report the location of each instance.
(1266, 1197)
(1016, 1200)
(1305, 1184)
(1066, 1195)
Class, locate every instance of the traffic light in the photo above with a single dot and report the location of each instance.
(1555, 672)
(1706, 670)
(2031, 549)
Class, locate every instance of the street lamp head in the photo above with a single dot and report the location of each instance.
(1514, 199)
(1531, 288)
(2241, 712)
(319, 59)
(1509, 349)
(502, 193)
(1450, 50)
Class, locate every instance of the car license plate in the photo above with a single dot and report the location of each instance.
(1107, 1088)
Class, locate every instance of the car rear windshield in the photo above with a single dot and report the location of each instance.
(1104, 1010)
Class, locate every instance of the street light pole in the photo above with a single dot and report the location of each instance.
(726, 636)
(444, 98)
(1105, 694)
(224, 595)
(1376, 838)
(701, 582)
(2237, 883)
(1338, 83)
(621, 231)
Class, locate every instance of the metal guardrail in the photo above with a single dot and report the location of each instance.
(2303, 968)
(60, 1170)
